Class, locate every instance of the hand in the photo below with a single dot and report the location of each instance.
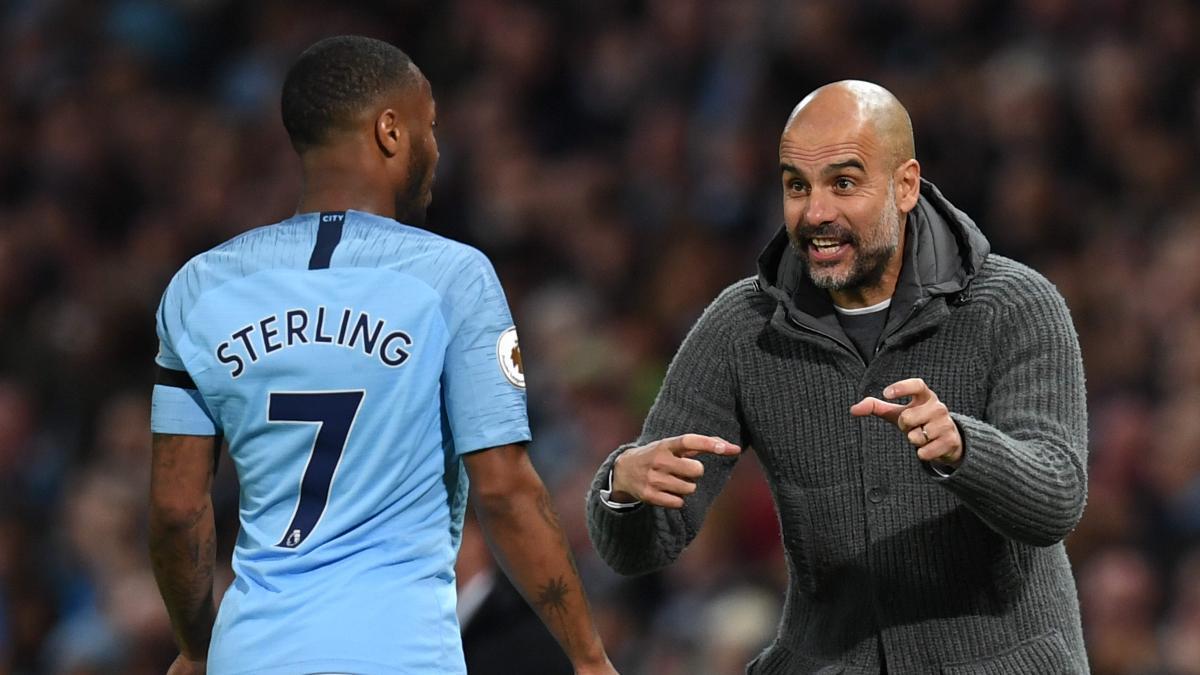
(186, 666)
(664, 472)
(925, 420)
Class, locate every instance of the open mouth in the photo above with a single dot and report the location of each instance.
(827, 248)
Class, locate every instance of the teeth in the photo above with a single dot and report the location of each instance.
(826, 243)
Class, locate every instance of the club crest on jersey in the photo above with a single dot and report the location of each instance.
(508, 353)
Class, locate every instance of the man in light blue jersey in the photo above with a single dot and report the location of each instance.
(361, 369)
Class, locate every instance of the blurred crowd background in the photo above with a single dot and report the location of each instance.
(617, 161)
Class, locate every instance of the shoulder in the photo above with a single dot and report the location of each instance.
(741, 301)
(470, 260)
(736, 310)
(382, 242)
(1004, 282)
(235, 257)
(461, 268)
(1019, 295)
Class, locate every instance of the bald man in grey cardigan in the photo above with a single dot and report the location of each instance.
(916, 403)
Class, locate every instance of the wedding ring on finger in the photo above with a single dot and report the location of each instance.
(925, 434)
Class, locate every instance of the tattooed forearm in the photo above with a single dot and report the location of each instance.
(182, 534)
(183, 553)
(560, 598)
(517, 515)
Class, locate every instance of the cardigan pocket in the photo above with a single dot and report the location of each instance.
(822, 537)
(1045, 655)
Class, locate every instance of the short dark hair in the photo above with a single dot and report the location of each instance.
(334, 79)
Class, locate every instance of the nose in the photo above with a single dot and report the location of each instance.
(819, 209)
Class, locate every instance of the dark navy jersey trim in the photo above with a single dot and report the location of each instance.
(329, 233)
(174, 378)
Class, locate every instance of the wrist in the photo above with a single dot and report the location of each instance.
(944, 467)
(594, 659)
(618, 491)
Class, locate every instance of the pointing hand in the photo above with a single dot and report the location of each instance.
(664, 472)
(925, 420)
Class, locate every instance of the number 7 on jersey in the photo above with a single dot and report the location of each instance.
(333, 412)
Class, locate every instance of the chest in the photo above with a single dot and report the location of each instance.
(796, 390)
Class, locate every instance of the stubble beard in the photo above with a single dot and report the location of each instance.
(871, 256)
(412, 202)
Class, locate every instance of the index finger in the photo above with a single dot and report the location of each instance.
(881, 409)
(914, 387)
(689, 445)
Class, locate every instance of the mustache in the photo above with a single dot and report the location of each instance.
(824, 231)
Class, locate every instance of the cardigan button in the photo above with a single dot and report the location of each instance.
(876, 494)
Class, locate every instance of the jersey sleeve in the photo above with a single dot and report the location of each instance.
(483, 379)
(176, 405)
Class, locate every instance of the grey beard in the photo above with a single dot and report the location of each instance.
(867, 271)
(869, 264)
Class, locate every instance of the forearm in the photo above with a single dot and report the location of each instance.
(528, 542)
(183, 553)
(635, 541)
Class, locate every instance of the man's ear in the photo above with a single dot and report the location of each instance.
(908, 185)
(391, 133)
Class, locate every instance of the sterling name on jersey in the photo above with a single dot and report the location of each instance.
(350, 361)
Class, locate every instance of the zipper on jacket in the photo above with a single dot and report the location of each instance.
(854, 352)
(884, 341)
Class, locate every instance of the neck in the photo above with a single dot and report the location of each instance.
(333, 183)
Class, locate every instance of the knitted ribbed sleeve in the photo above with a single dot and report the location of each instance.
(698, 396)
(1024, 470)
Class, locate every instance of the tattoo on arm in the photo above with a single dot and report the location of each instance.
(545, 507)
(551, 602)
(529, 543)
(183, 564)
(552, 596)
(183, 538)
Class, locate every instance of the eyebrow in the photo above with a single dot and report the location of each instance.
(831, 168)
(845, 164)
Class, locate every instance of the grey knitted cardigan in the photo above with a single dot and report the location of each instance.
(958, 574)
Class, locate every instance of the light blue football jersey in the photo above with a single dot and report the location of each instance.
(350, 361)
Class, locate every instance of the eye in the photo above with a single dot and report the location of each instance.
(797, 186)
(843, 184)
